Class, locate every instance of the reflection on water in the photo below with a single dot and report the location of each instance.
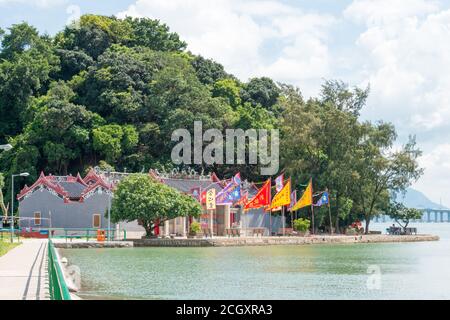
(408, 271)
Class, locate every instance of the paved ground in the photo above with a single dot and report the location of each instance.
(23, 272)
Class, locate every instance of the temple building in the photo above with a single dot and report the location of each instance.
(73, 202)
(65, 202)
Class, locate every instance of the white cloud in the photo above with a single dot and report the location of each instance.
(406, 45)
(435, 181)
(234, 32)
(407, 64)
(375, 12)
(37, 3)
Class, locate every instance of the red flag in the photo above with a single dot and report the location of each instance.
(203, 197)
(261, 199)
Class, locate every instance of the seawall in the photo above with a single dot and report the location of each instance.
(248, 241)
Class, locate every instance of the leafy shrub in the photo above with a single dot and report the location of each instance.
(195, 227)
(302, 225)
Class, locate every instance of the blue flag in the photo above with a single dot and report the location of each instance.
(231, 193)
(324, 199)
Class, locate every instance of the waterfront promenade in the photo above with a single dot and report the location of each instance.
(23, 272)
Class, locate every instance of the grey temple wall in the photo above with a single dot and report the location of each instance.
(63, 215)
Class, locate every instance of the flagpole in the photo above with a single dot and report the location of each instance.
(312, 207)
(211, 212)
(270, 207)
(282, 213)
(329, 212)
(292, 219)
(270, 222)
(290, 209)
(246, 224)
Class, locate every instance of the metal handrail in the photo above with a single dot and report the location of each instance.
(57, 284)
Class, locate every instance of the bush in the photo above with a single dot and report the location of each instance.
(195, 228)
(302, 225)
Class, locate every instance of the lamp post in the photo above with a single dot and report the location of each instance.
(23, 174)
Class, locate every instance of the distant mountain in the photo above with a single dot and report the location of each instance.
(416, 199)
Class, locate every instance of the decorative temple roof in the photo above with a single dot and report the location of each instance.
(187, 182)
(77, 189)
(69, 188)
(187, 186)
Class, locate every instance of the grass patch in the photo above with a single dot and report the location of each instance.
(6, 246)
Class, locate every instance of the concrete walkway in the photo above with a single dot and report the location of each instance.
(23, 272)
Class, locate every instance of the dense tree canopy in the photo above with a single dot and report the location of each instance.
(111, 91)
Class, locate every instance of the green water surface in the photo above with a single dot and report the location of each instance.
(402, 271)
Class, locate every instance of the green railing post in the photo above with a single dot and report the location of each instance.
(57, 284)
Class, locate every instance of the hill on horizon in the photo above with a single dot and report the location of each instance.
(416, 199)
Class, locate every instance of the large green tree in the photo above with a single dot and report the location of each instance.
(27, 63)
(381, 170)
(139, 197)
(402, 214)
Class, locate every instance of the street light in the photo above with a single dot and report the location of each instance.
(23, 174)
(5, 147)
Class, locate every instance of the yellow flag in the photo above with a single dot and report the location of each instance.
(306, 199)
(282, 198)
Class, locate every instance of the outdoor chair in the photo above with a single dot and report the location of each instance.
(287, 231)
(206, 232)
(409, 231)
(258, 232)
(393, 230)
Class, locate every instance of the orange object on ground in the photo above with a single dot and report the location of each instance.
(100, 235)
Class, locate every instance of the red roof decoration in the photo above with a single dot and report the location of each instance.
(99, 183)
(92, 177)
(215, 178)
(56, 184)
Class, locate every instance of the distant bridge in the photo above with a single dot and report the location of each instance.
(428, 215)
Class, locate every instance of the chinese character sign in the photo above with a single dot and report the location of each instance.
(211, 199)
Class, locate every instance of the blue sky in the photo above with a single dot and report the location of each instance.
(400, 47)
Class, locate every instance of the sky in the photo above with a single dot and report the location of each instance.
(398, 47)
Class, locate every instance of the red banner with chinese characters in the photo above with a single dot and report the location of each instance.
(262, 198)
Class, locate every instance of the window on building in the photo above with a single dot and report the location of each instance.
(37, 218)
(96, 221)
